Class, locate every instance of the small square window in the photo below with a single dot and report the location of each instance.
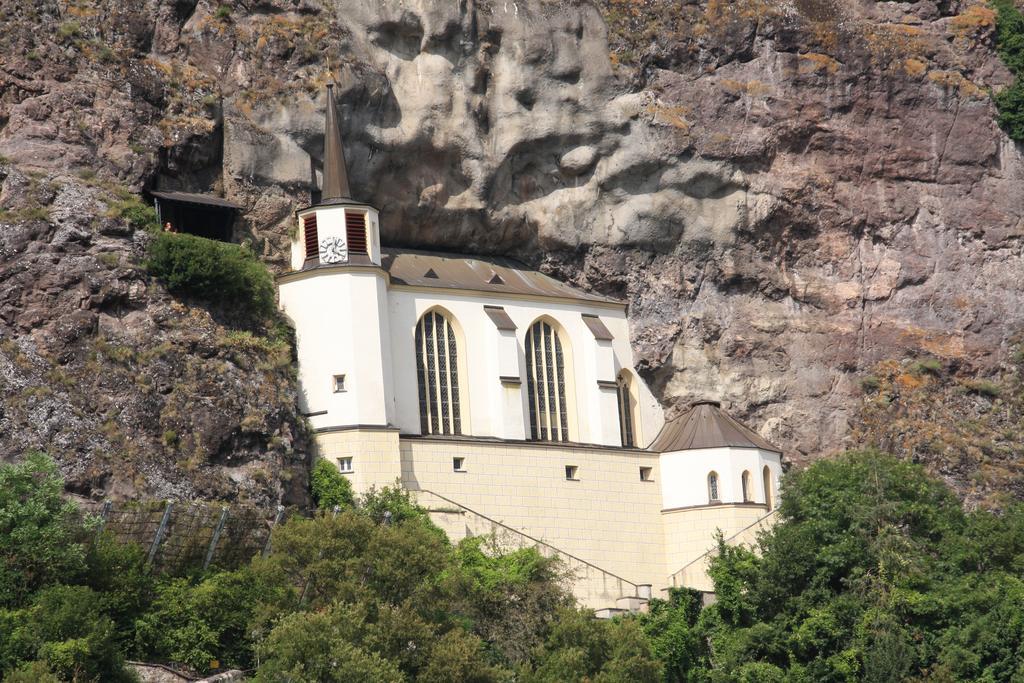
(345, 464)
(645, 474)
(339, 383)
(459, 464)
(570, 472)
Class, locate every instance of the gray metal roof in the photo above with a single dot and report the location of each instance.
(194, 198)
(335, 169)
(706, 425)
(500, 318)
(476, 273)
(597, 328)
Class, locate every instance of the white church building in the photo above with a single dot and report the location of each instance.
(506, 401)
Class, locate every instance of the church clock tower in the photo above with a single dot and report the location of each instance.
(336, 296)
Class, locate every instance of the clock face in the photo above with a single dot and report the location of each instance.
(333, 250)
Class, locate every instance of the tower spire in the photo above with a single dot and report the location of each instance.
(335, 170)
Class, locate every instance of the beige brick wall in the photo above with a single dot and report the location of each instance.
(608, 517)
(591, 586)
(690, 534)
(374, 453)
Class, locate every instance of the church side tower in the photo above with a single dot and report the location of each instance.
(336, 296)
(716, 474)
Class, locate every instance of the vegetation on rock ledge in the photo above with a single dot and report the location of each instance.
(227, 275)
(1010, 44)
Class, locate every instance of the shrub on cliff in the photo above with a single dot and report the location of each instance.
(1010, 45)
(226, 275)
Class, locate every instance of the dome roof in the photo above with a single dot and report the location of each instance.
(706, 425)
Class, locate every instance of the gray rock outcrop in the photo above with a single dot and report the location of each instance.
(784, 192)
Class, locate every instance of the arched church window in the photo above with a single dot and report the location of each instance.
(713, 488)
(766, 476)
(437, 375)
(545, 383)
(745, 481)
(625, 412)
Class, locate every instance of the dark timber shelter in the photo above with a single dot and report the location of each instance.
(197, 214)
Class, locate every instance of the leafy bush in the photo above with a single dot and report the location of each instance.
(39, 531)
(65, 628)
(1011, 109)
(198, 623)
(318, 646)
(581, 648)
(390, 502)
(227, 275)
(118, 573)
(32, 672)
(330, 487)
(139, 215)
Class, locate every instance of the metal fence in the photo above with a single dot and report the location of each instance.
(183, 536)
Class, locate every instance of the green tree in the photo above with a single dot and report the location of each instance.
(672, 627)
(330, 487)
(580, 648)
(40, 532)
(199, 623)
(64, 627)
(873, 573)
(319, 646)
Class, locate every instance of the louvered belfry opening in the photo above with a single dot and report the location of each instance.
(437, 366)
(355, 232)
(310, 237)
(545, 384)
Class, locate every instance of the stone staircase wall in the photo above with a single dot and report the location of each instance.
(592, 586)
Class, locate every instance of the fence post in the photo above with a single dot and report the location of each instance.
(216, 537)
(160, 532)
(104, 514)
(270, 536)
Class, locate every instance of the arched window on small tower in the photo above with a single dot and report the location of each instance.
(745, 481)
(626, 405)
(766, 477)
(713, 487)
(437, 374)
(545, 383)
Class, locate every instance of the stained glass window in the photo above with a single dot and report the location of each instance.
(713, 487)
(437, 375)
(545, 384)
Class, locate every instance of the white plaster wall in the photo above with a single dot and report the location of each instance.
(684, 475)
(341, 325)
(486, 354)
(330, 222)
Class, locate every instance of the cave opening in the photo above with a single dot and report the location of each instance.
(196, 214)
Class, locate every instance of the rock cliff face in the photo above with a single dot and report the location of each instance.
(785, 192)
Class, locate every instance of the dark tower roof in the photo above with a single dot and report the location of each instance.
(706, 425)
(335, 170)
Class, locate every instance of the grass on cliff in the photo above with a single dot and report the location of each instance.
(1010, 45)
(969, 429)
